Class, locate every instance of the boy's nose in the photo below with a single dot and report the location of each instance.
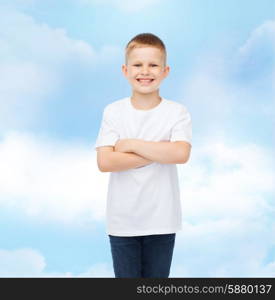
(144, 71)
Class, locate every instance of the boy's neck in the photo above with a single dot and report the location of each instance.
(145, 101)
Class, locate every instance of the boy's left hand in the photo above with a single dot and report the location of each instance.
(124, 145)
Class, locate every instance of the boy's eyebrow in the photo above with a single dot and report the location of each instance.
(151, 62)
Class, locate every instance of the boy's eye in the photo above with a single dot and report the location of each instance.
(153, 65)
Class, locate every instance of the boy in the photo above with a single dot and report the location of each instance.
(140, 141)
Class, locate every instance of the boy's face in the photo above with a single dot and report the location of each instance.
(145, 63)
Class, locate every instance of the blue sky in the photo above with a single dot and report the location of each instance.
(60, 65)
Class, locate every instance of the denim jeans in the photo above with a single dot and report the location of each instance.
(148, 256)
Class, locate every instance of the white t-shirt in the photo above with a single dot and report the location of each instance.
(144, 200)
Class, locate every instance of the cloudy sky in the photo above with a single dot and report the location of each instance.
(60, 65)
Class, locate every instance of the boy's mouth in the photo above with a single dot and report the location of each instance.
(144, 81)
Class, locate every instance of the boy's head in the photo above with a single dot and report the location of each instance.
(145, 58)
(145, 40)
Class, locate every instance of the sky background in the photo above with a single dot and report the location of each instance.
(60, 65)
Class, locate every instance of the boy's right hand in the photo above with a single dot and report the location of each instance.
(122, 145)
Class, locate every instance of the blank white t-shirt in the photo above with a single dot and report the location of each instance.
(144, 200)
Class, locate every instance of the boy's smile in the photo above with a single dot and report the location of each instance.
(145, 69)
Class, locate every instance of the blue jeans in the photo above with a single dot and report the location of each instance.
(147, 256)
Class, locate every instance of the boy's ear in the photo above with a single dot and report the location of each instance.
(166, 70)
(124, 69)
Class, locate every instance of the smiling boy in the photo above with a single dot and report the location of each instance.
(140, 141)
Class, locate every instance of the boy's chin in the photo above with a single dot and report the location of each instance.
(144, 92)
(144, 89)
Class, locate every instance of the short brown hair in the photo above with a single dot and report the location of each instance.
(145, 39)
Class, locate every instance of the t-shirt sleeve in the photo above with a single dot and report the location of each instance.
(108, 133)
(182, 129)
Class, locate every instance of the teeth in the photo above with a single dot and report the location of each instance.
(145, 81)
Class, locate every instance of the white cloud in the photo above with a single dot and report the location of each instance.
(126, 6)
(225, 247)
(228, 212)
(51, 180)
(23, 86)
(30, 65)
(35, 60)
(41, 43)
(27, 262)
(61, 182)
(222, 180)
(228, 88)
(98, 270)
(16, 3)
(21, 263)
(226, 188)
(29, 80)
(259, 37)
(208, 93)
(256, 59)
(228, 184)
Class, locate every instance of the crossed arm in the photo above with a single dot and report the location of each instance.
(134, 153)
